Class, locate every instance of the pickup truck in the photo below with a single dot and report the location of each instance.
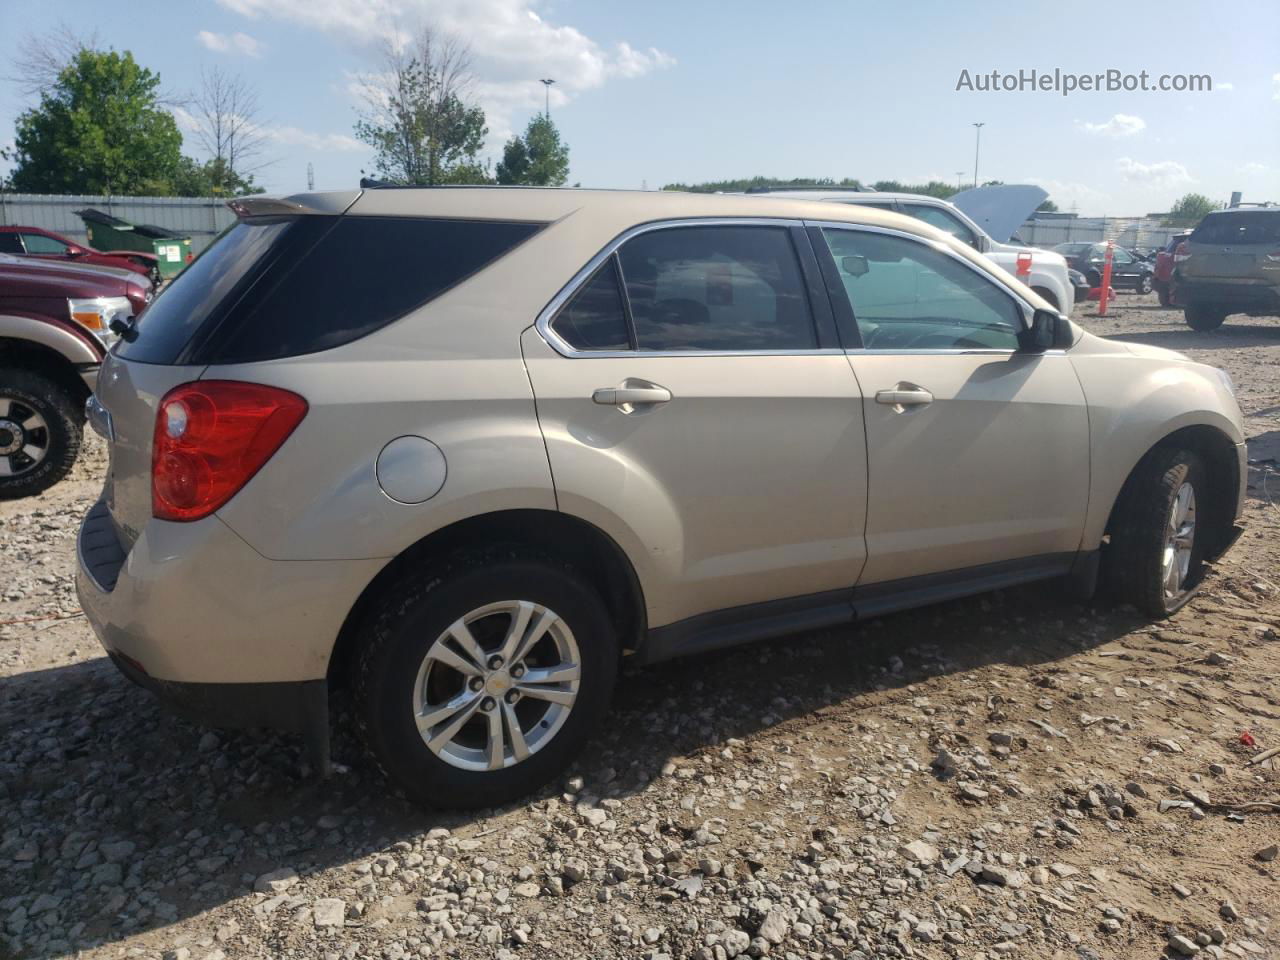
(55, 328)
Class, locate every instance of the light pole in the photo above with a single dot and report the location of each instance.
(977, 145)
(547, 83)
(959, 179)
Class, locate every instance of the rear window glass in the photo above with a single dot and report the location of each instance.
(267, 290)
(1244, 226)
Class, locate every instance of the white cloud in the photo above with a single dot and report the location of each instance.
(1252, 167)
(512, 46)
(1120, 125)
(1163, 173)
(230, 43)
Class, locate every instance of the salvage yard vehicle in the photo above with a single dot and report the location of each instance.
(55, 326)
(1162, 277)
(1009, 206)
(47, 245)
(1230, 264)
(1128, 270)
(547, 429)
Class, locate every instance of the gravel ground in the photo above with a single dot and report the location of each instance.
(1006, 776)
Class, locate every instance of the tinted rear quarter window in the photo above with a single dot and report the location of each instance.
(267, 290)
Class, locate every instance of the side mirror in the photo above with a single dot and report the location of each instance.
(1047, 330)
(855, 266)
(75, 251)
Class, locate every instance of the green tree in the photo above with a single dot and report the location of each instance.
(537, 159)
(420, 123)
(1190, 209)
(1047, 206)
(99, 129)
(210, 179)
(748, 183)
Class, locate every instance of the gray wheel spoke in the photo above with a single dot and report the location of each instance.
(443, 737)
(434, 716)
(33, 422)
(6, 468)
(34, 452)
(545, 622)
(518, 746)
(551, 694)
(497, 742)
(561, 673)
(516, 632)
(4, 406)
(461, 633)
(442, 652)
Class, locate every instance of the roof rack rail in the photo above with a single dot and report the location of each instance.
(808, 186)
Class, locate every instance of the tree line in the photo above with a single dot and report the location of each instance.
(103, 124)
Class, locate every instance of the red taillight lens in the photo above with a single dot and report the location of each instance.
(1180, 252)
(211, 437)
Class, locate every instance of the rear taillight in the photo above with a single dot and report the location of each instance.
(211, 437)
(1180, 252)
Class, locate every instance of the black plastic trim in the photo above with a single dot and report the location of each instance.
(101, 553)
(841, 309)
(776, 618)
(819, 298)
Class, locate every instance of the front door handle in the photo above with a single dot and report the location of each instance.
(904, 395)
(631, 396)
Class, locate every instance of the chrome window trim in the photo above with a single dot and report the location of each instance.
(562, 347)
(553, 339)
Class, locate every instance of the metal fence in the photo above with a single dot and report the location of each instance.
(1142, 233)
(200, 218)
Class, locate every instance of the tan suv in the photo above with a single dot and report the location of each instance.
(463, 449)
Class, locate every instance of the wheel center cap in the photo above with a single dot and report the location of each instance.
(10, 437)
(497, 683)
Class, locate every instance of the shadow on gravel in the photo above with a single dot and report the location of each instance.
(1229, 336)
(119, 818)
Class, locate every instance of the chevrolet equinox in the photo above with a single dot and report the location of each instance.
(462, 450)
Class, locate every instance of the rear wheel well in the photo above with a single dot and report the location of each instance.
(47, 362)
(591, 552)
(1217, 452)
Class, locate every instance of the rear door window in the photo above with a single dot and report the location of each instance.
(9, 243)
(272, 289)
(717, 289)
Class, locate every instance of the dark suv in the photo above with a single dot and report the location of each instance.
(1230, 264)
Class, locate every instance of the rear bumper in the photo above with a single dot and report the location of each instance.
(192, 603)
(1244, 296)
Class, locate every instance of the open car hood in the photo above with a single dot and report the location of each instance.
(1000, 210)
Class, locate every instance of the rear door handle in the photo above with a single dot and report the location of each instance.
(903, 396)
(631, 396)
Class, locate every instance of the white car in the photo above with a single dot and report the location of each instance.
(1001, 209)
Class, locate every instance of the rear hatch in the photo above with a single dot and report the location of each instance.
(1235, 246)
(292, 277)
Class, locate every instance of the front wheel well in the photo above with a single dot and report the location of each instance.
(1217, 451)
(47, 362)
(590, 551)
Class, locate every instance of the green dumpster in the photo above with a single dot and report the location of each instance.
(106, 232)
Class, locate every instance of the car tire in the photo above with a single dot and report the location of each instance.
(1202, 317)
(407, 674)
(40, 432)
(1145, 283)
(1156, 555)
(1094, 278)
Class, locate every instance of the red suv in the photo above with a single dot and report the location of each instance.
(56, 322)
(47, 245)
(1163, 279)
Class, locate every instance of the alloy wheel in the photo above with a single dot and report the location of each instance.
(497, 685)
(1179, 541)
(24, 438)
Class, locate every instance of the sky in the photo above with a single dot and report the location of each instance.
(658, 92)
